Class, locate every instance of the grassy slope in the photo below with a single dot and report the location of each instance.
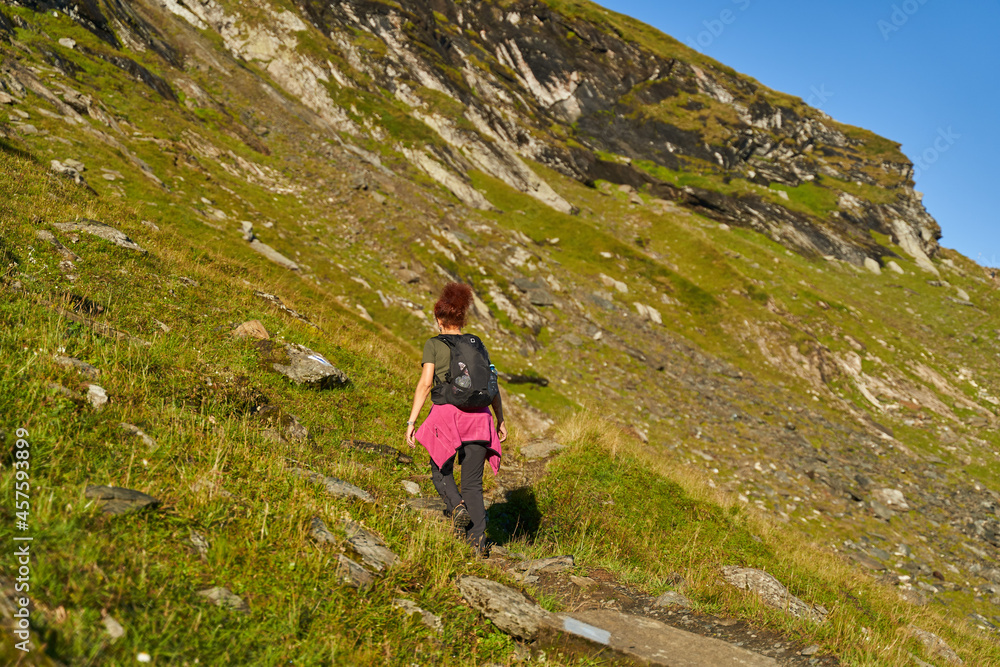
(165, 390)
(189, 390)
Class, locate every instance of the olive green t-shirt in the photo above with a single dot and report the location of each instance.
(437, 352)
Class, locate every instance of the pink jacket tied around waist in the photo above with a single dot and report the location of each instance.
(447, 427)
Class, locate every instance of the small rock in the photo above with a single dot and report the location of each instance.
(116, 500)
(282, 426)
(200, 544)
(935, 645)
(881, 511)
(82, 367)
(209, 484)
(273, 255)
(225, 598)
(648, 313)
(67, 42)
(64, 392)
(582, 582)
(96, 396)
(335, 487)
(113, 628)
(246, 229)
(526, 284)
(353, 574)
(372, 550)
(893, 498)
(251, 329)
(320, 532)
(540, 449)
(138, 433)
(410, 608)
(411, 488)
(509, 610)
(868, 562)
(65, 169)
(810, 650)
(894, 267)
(545, 565)
(541, 297)
(310, 368)
(408, 276)
(873, 266)
(151, 225)
(6, 99)
(608, 281)
(433, 506)
(101, 231)
(673, 599)
(375, 448)
(771, 591)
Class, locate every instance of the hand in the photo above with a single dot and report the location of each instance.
(409, 436)
(502, 431)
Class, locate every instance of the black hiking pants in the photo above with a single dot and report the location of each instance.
(472, 457)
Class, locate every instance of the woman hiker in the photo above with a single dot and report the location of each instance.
(450, 432)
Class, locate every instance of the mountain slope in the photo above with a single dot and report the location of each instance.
(748, 287)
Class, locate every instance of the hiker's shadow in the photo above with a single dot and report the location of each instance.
(517, 517)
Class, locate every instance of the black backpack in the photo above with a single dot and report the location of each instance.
(472, 380)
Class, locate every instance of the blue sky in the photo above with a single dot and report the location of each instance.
(925, 73)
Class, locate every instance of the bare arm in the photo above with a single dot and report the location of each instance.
(424, 386)
(497, 406)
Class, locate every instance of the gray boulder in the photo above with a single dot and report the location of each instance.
(320, 532)
(540, 449)
(771, 591)
(410, 608)
(376, 448)
(372, 550)
(936, 646)
(137, 432)
(433, 506)
(509, 610)
(893, 498)
(225, 598)
(310, 368)
(673, 599)
(352, 574)
(541, 297)
(545, 565)
(96, 396)
(82, 367)
(334, 486)
(101, 231)
(116, 500)
(273, 255)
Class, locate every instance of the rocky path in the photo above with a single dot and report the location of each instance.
(603, 617)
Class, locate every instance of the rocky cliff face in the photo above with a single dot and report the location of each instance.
(501, 83)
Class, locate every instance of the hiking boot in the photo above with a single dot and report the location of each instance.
(461, 521)
(482, 550)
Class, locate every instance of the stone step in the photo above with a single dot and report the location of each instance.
(641, 640)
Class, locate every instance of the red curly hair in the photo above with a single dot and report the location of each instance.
(453, 304)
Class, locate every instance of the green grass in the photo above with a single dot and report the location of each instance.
(191, 388)
(624, 508)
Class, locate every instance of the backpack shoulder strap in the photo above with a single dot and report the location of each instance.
(444, 339)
